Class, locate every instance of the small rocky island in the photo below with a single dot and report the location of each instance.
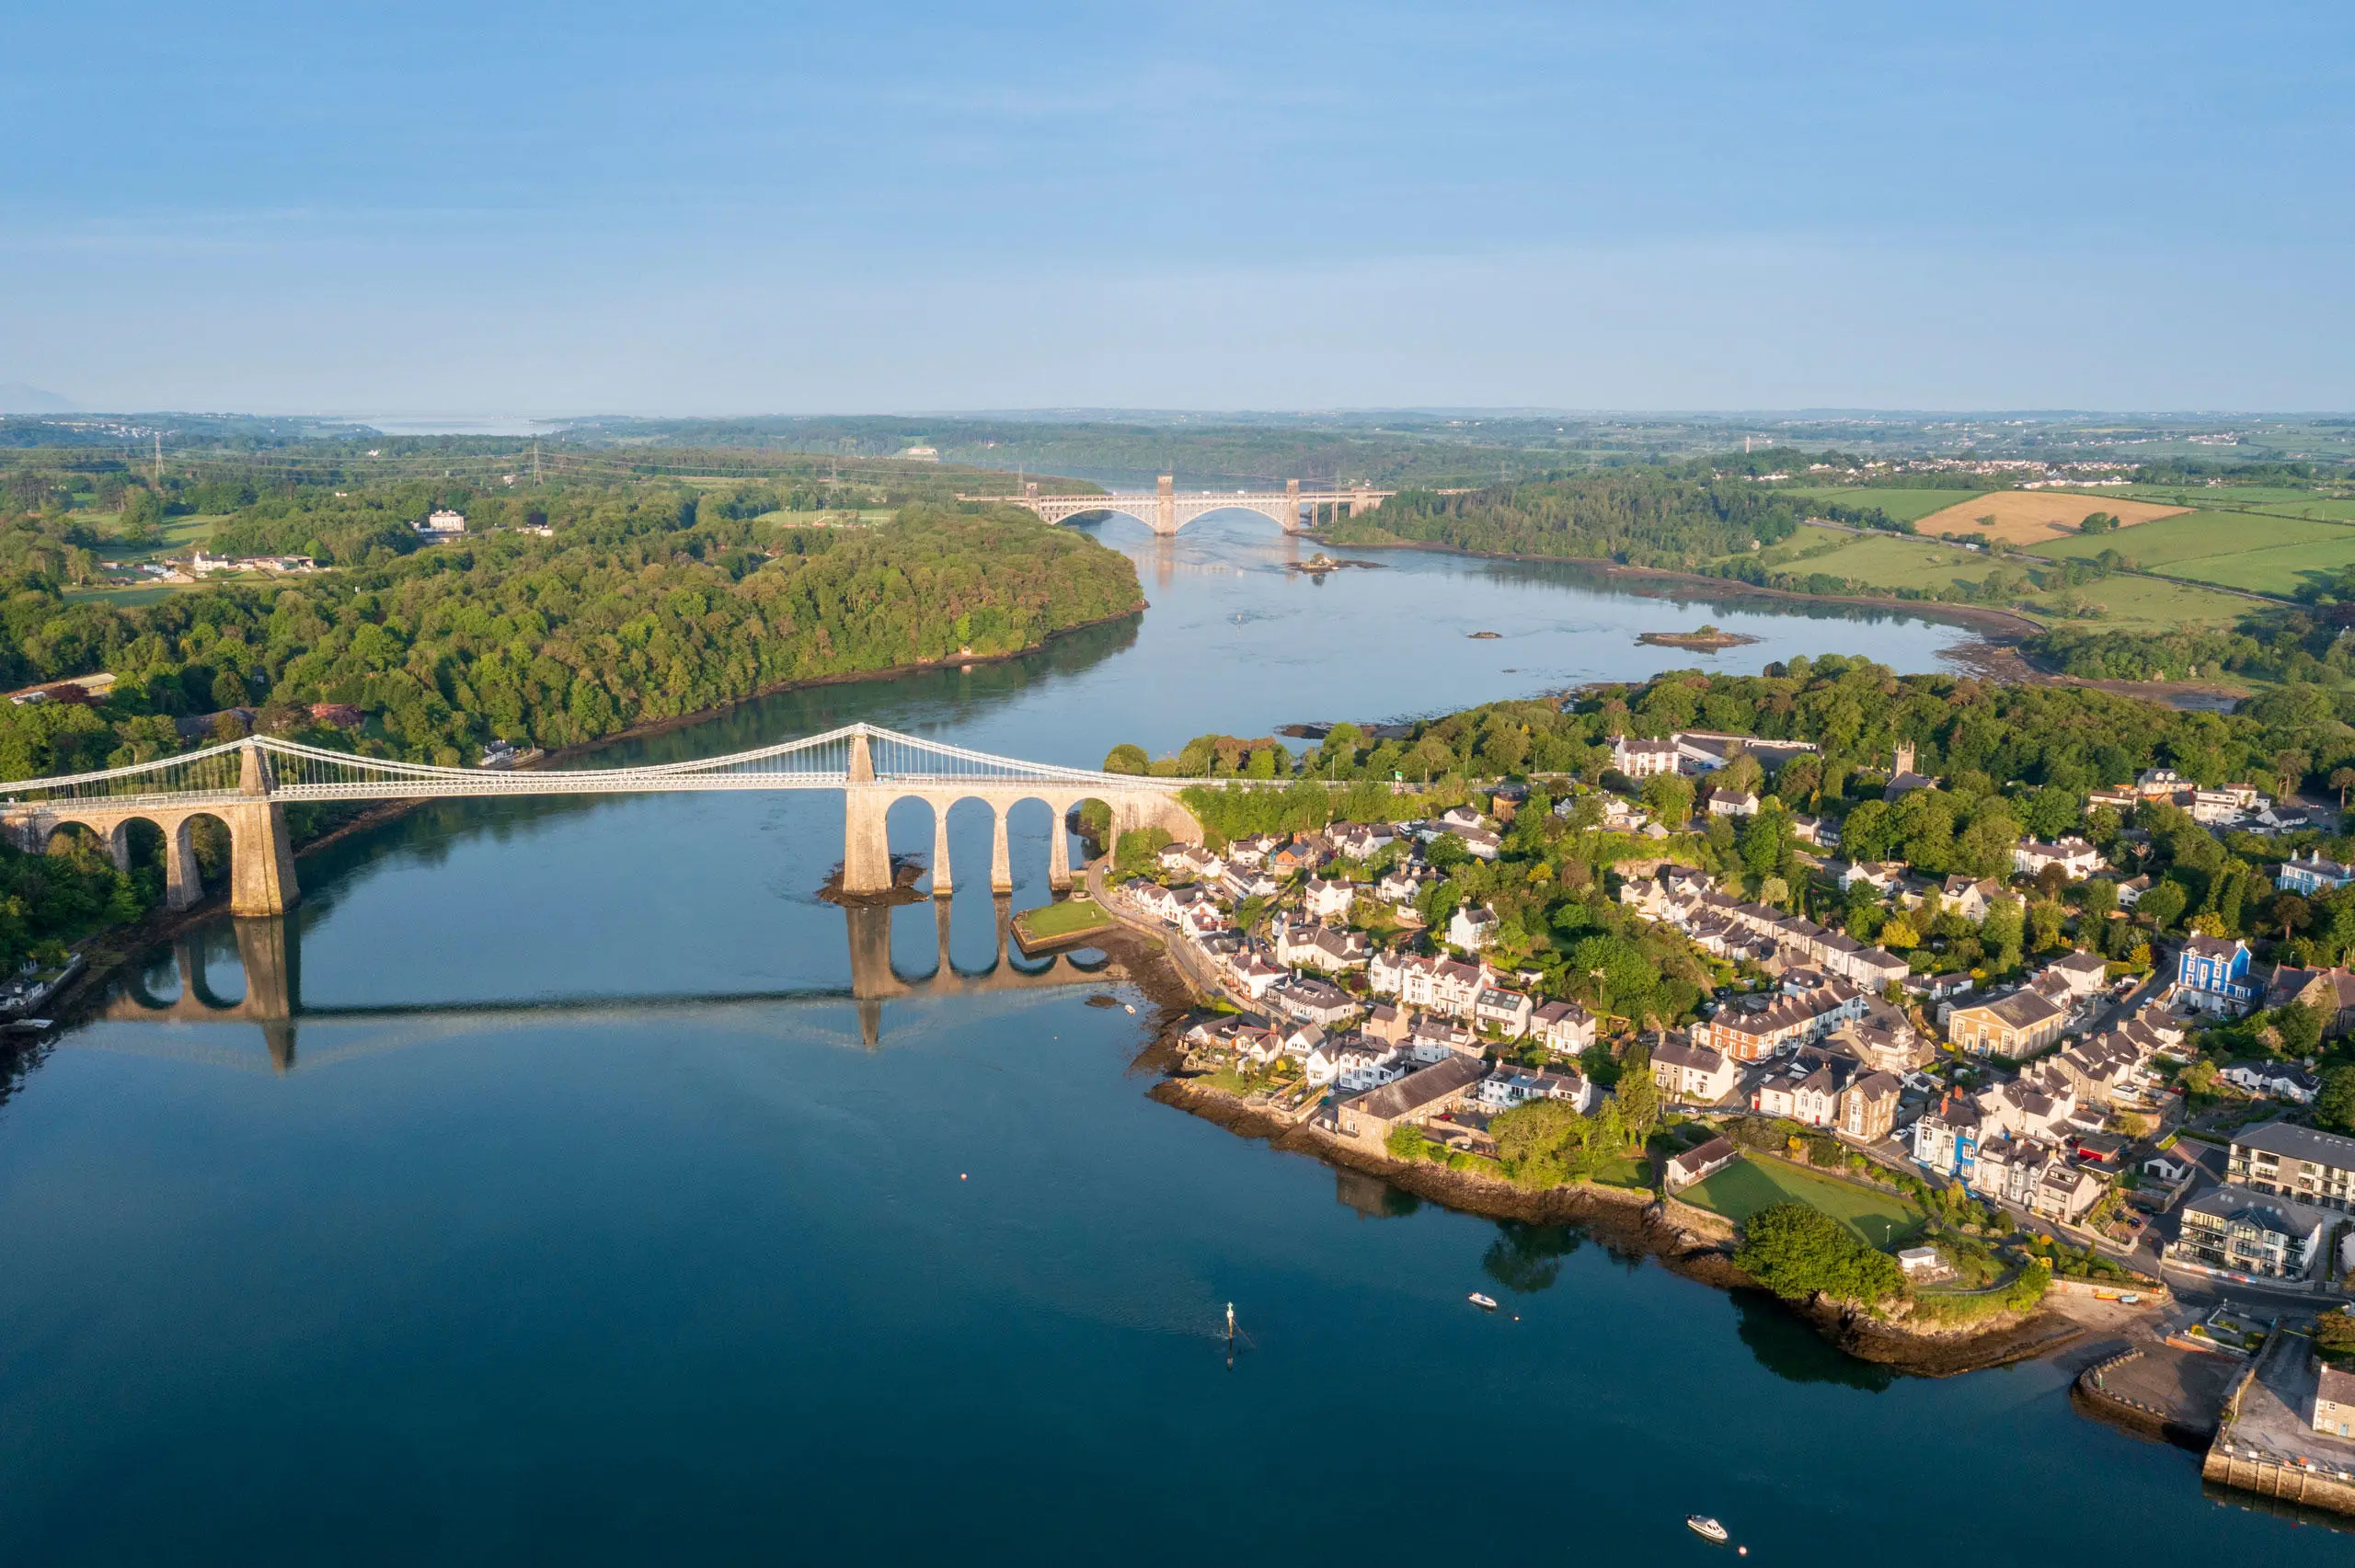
(1320, 563)
(1709, 638)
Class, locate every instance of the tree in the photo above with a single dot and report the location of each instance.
(2335, 1103)
(2342, 780)
(1126, 759)
(2003, 929)
(1406, 1142)
(2290, 912)
(1898, 935)
(1669, 796)
(2162, 903)
(1637, 1099)
(1798, 1251)
(2299, 1027)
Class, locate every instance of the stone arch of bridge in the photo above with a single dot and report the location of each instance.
(261, 856)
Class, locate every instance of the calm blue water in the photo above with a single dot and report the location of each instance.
(571, 1218)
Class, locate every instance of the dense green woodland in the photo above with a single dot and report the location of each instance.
(1637, 516)
(640, 614)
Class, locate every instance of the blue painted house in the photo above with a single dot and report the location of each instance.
(2212, 973)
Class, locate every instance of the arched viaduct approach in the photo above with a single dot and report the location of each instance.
(1166, 510)
(248, 784)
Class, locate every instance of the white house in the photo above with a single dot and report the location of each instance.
(1255, 974)
(1641, 759)
(2076, 857)
(2273, 1080)
(1472, 929)
(1563, 1027)
(1327, 897)
(442, 522)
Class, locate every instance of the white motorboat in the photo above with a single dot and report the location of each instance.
(1706, 1528)
(1486, 1303)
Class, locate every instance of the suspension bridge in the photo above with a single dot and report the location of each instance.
(245, 785)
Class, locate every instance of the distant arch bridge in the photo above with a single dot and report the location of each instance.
(1166, 510)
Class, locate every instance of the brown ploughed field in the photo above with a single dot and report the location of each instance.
(2036, 517)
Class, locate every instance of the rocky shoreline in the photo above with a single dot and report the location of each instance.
(1635, 1222)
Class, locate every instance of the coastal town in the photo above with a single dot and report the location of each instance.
(2009, 1130)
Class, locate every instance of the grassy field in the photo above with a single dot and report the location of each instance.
(2190, 536)
(2280, 498)
(1885, 560)
(1048, 921)
(126, 597)
(1742, 1188)
(2144, 604)
(1891, 561)
(2263, 554)
(2283, 569)
(181, 534)
(2034, 518)
(1905, 506)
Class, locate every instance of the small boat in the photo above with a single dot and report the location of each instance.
(1128, 1007)
(1706, 1527)
(1486, 1303)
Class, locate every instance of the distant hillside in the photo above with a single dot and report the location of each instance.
(15, 397)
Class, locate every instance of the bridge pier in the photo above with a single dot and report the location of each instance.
(1059, 855)
(942, 884)
(1001, 854)
(866, 852)
(261, 860)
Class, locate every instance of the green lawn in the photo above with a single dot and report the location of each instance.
(1746, 1185)
(1905, 506)
(1062, 919)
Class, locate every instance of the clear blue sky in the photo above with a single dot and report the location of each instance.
(763, 207)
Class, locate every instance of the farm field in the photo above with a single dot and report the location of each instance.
(1882, 560)
(2147, 605)
(2283, 569)
(2193, 537)
(2261, 553)
(2138, 603)
(2032, 518)
(1905, 506)
(2264, 497)
(1742, 1188)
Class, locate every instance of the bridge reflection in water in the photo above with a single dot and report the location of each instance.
(268, 951)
